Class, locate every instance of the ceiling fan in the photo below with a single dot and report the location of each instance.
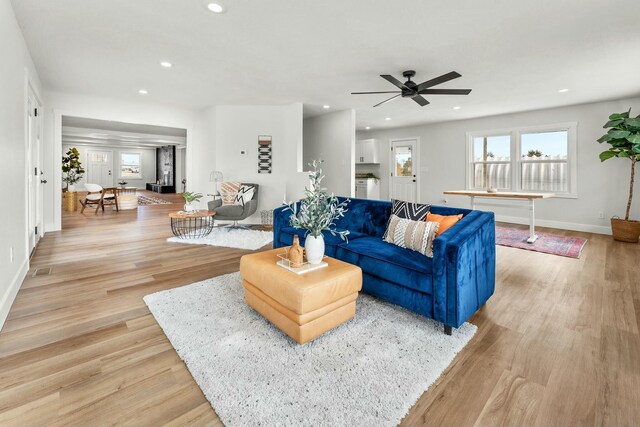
(411, 89)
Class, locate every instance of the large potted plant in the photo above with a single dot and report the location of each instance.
(72, 169)
(624, 137)
(318, 211)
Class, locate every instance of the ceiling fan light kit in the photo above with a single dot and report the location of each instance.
(413, 90)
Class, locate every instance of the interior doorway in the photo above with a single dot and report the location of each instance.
(129, 159)
(404, 164)
(35, 198)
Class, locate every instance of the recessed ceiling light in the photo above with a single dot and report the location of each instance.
(215, 7)
(387, 118)
(563, 90)
(143, 92)
(166, 64)
(368, 127)
(457, 107)
(326, 106)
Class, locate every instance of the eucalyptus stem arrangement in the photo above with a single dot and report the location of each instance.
(318, 210)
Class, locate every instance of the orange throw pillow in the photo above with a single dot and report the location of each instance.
(446, 222)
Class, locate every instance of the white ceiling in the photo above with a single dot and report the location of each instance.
(515, 55)
(107, 133)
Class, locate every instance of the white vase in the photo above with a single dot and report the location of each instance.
(314, 247)
(188, 207)
(71, 188)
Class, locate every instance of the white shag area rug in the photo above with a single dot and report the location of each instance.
(367, 372)
(231, 238)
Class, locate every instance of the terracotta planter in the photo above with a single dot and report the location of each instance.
(625, 231)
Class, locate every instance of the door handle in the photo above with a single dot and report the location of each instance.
(43, 181)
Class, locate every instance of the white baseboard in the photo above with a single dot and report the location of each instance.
(6, 300)
(587, 228)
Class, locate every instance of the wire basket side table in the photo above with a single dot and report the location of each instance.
(192, 225)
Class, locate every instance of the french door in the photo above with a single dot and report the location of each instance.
(404, 169)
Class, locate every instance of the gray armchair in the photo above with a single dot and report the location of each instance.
(235, 213)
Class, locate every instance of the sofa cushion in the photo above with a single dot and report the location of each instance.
(407, 210)
(229, 190)
(389, 262)
(245, 193)
(445, 221)
(415, 235)
(330, 241)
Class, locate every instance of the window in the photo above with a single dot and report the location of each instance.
(130, 166)
(537, 159)
(403, 159)
(492, 161)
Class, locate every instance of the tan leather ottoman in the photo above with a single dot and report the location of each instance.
(302, 306)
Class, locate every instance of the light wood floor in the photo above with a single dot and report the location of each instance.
(557, 344)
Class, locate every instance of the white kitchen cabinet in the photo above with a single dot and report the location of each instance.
(367, 189)
(367, 152)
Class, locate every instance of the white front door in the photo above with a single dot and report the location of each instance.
(100, 168)
(404, 161)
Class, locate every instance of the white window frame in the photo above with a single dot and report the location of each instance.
(121, 163)
(516, 155)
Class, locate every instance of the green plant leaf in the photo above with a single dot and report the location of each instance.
(634, 138)
(634, 122)
(616, 134)
(624, 154)
(619, 143)
(604, 138)
(616, 116)
(614, 123)
(636, 148)
(606, 155)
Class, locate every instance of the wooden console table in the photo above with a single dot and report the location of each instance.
(514, 197)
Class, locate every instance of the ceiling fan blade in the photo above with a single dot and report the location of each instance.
(393, 81)
(420, 100)
(368, 93)
(387, 100)
(438, 80)
(445, 91)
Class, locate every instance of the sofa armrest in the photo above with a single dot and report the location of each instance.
(281, 217)
(464, 269)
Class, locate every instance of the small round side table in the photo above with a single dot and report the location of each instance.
(192, 225)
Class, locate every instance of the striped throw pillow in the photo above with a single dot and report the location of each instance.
(414, 235)
(408, 210)
(229, 191)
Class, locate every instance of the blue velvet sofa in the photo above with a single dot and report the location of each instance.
(449, 288)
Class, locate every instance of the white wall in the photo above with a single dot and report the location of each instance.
(237, 129)
(602, 187)
(181, 167)
(147, 157)
(200, 145)
(331, 137)
(16, 69)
